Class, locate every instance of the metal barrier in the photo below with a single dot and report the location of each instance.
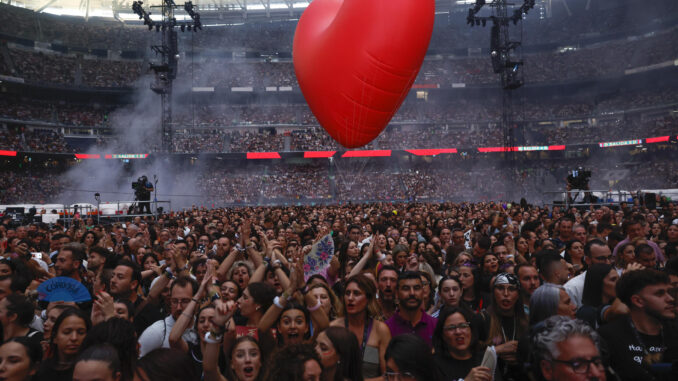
(607, 197)
(113, 210)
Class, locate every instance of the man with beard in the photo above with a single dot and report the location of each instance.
(156, 336)
(67, 262)
(410, 317)
(387, 279)
(223, 248)
(552, 267)
(648, 335)
(123, 285)
(529, 281)
(97, 259)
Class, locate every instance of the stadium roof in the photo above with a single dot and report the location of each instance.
(112, 8)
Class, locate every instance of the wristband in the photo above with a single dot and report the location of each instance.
(311, 309)
(276, 301)
(195, 300)
(211, 339)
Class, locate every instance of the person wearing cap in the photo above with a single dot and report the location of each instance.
(504, 322)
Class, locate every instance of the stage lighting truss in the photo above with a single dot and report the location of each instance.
(194, 24)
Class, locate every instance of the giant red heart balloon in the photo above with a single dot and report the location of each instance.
(356, 60)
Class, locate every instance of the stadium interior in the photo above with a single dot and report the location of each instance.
(78, 115)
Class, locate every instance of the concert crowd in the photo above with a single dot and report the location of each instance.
(409, 291)
(587, 63)
(454, 124)
(406, 269)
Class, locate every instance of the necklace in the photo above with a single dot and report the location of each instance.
(513, 337)
(640, 340)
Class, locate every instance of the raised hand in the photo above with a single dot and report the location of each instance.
(224, 311)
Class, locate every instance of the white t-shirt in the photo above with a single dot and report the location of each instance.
(575, 288)
(157, 336)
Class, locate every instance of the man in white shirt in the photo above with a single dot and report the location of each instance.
(595, 251)
(157, 334)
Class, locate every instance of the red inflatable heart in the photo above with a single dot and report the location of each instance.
(356, 60)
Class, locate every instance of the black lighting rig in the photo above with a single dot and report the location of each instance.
(166, 70)
(504, 53)
(506, 57)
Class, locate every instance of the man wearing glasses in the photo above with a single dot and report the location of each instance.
(157, 334)
(567, 350)
(595, 251)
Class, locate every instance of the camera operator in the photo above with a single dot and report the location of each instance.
(578, 180)
(142, 192)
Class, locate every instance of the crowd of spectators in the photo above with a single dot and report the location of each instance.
(35, 140)
(63, 69)
(39, 186)
(558, 63)
(448, 178)
(571, 24)
(251, 186)
(289, 293)
(62, 113)
(582, 63)
(416, 125)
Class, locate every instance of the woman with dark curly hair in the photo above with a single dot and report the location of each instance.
(89, 240)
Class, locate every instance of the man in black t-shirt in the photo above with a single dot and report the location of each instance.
(648, 335)
(123, 285)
